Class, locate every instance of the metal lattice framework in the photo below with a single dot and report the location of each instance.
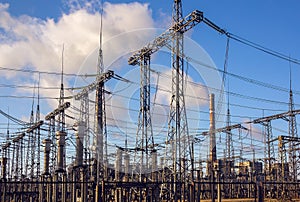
(30, 152)
(269, 149)
(142, 57)
(97, 85)
(293, 154)
(166, 37)
(33, 142)
(37, 132)
(144, 137)
(51, 118)
(17, 165)
(269, 152)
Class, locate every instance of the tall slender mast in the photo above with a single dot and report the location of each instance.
(99, 117)
(293, 159)
(38, 131)
(61, 117)
(178, 137)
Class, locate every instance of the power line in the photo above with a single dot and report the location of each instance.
(243, 78)
(263, 49)
(45, 72)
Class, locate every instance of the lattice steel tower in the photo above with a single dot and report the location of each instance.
(178, 136)
(100, 127)
(293, 152)
(144, 137)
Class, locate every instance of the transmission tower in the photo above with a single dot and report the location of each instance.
(30, 149)
(32, 164)
(282, 174)
(7, 150)
(100, 141)
(99, 131)
(269, 152)
(178, 137)
(60, 131)
(6, 160)
(38, 131)
(144, 137)
(61, 117)
(293, 148)
(269, 148)
(229, 142)
(229, 154)
(99, 110)
(178, 159)
(17, 156)
(144, 151)
(51, 136)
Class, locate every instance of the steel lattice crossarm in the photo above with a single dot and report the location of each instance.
(286, 138)
(165, 38)
(151, 147)
(276, 116)
(6, 145)
(224, 129)
(34, 126)
(19, 137)
(56, 111)
(283, 139)
(102, 78)
(184, 25)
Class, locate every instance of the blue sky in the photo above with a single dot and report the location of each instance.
(272, 24)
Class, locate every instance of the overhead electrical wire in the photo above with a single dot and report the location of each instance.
(263, 49)
(188, 109)
(243, 78)
(45, 72)
(165, 105)
(205, 99)
(234, 94)
(136, 111)
(224, 72)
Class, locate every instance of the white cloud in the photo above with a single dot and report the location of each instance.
(38, 43)
(30, 42)
(4, 6)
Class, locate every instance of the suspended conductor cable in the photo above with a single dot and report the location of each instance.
(263, 49)
(219, 106)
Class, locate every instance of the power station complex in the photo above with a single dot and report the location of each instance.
(34, 167)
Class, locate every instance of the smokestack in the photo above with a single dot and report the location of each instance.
(80, 128)
(47, 143)
(154, 166)
(61, 139)
(212, 145)
(4, 163)
(212, 127)
(126, 165)
(118, 164)
(154, 161)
